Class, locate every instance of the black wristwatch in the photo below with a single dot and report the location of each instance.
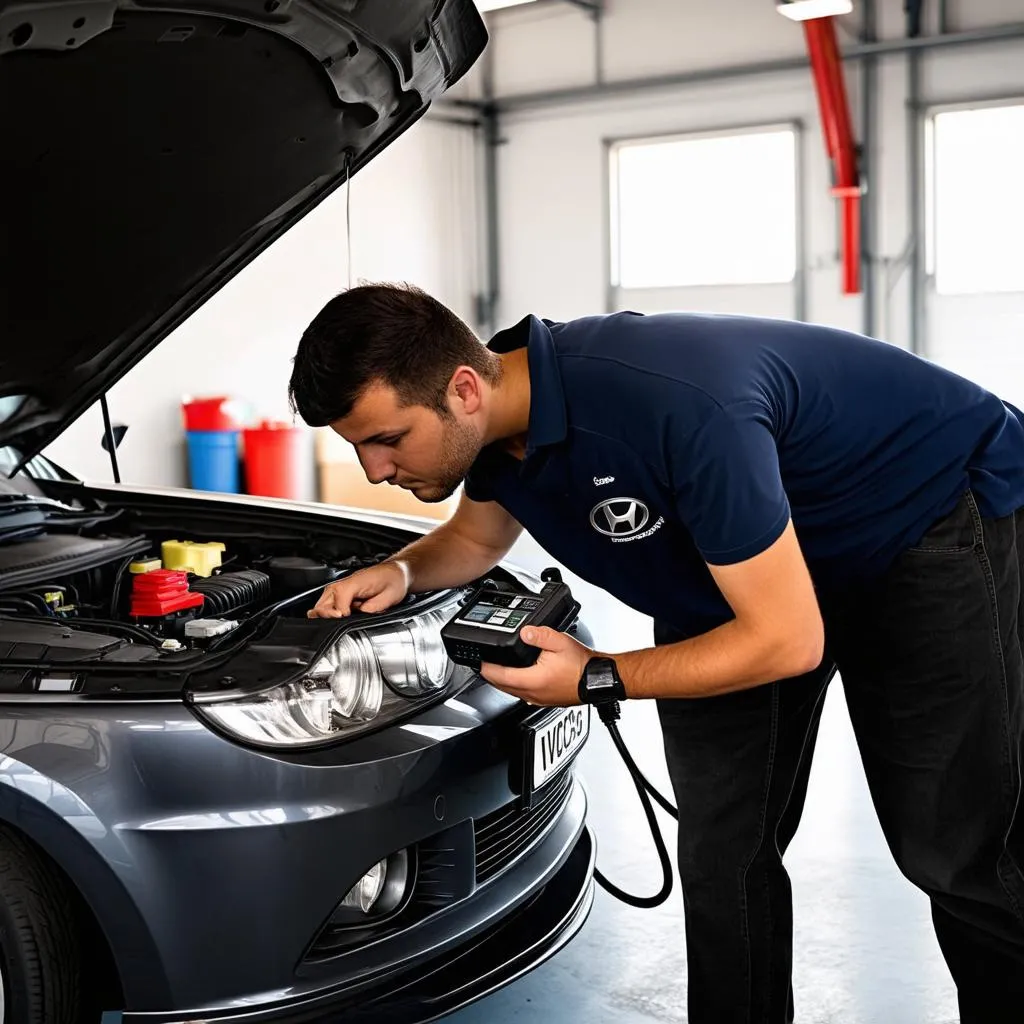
(600, 682)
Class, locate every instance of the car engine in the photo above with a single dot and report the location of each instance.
(96, 571)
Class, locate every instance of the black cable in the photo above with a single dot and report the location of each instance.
(13, 600)
(39, 600)
(635, 771)
(115, 592)
(12, 606)
(62, 587)
(609, 712)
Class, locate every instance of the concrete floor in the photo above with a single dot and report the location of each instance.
(863, 947)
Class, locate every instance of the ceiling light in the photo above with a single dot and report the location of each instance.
(806, 10)
(496, 5)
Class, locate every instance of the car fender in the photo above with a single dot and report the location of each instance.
(40, 808)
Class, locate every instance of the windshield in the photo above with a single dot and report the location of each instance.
(9, 405)
(24, 481)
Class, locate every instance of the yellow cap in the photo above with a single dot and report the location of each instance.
(188, 556)
(147, 565)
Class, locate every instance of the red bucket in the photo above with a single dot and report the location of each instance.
(273, 460)
(214, 413)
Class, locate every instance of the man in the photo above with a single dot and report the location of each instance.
(783, 499)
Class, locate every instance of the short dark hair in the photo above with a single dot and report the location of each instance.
(393, 334)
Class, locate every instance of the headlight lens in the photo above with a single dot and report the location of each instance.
(411, 654)
(351, 672)
(367, 676)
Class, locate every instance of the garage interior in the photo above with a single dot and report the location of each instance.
(861, 171)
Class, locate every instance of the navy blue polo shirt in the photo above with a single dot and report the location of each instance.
(659, 443)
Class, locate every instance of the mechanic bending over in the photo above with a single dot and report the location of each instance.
(783, 499)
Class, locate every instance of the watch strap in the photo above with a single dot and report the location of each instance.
(600, 682)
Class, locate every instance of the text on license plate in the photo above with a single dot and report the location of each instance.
(557, 740)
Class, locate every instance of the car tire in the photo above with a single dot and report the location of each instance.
(40, 950)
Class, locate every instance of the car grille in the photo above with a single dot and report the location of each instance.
(506, 833)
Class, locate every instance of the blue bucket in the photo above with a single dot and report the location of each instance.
(213, 460)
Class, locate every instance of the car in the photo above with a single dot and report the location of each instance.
(213, 807)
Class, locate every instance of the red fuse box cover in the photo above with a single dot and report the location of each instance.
(161, 592)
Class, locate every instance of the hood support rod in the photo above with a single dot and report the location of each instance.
(108, 434)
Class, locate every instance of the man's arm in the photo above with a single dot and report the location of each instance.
(777, 632)
(476, 537)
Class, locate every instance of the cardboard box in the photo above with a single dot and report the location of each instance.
(343, 482)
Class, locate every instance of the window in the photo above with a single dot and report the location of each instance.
(975, 200)
(704, 210)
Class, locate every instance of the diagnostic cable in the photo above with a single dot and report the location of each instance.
(487, 628)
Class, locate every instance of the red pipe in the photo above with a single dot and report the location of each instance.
(827, 69)
(851, 243)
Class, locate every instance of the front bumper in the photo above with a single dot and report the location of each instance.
(215, 870)
(486, 943)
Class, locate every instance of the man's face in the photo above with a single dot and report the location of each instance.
(410, 446)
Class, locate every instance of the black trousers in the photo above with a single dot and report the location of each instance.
(931, 664)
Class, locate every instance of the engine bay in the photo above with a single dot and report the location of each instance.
(82, 580)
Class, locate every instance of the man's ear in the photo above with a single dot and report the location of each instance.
(466, 387)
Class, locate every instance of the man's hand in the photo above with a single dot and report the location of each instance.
(553, 680)
(370, 590)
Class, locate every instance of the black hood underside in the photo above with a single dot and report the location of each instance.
(149, 154)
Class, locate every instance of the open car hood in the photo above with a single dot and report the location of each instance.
(152, 149)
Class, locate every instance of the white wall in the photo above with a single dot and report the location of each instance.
(415, 210)
(552, 188)
(414, 218)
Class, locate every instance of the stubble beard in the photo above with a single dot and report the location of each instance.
(460, 447)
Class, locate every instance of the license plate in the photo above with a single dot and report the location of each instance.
(555, 740)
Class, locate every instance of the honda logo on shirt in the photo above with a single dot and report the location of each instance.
(619, 517)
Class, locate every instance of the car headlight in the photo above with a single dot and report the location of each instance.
(366, 677)
(412, 656)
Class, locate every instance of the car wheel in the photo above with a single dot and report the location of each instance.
(40, 951)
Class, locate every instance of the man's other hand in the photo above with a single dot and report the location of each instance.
(370, 590)
(553, 680)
